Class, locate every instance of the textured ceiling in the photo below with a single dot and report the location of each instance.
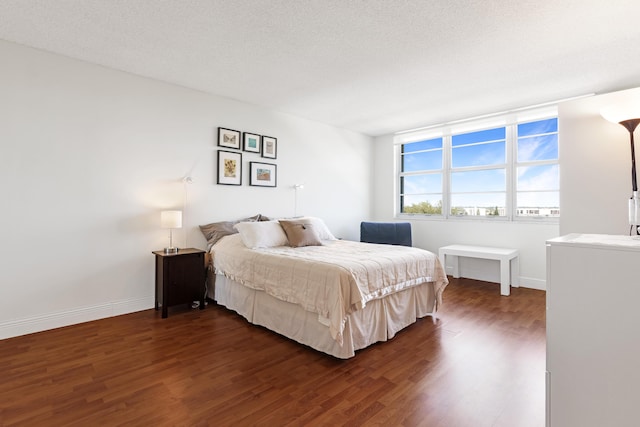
(373, 66)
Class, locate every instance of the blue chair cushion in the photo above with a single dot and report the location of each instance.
(392, 233)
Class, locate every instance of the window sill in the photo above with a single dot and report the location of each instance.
(504, 220)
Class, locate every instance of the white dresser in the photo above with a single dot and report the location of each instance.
(593, 331)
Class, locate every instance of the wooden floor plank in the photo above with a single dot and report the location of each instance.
(481, 363)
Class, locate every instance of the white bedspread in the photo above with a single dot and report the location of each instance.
(332, 280)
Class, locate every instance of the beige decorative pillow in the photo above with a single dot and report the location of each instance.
(300, 233)
(321, 228)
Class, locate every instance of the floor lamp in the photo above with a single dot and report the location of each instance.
(627, 115)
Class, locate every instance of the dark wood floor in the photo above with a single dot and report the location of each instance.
(481, 364)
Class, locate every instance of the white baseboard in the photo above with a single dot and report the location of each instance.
(531, 283)
(524, 282)
(14, 328)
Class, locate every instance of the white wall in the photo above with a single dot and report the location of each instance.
(596, 166)
(89, 157)
(431, 234)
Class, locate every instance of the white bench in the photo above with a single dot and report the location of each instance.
(509, 265)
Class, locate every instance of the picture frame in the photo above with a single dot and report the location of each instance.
(229, 168)
(263, 174)
(251, 142)
(228, 138)
(269, 147)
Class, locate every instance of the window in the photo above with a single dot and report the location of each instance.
(421, 177)
(537, 170)
(478, 173)
(508, 169)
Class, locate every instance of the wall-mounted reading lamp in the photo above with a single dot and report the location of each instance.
(628, 115)
(296, 187)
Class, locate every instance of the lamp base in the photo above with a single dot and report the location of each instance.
(171, 250)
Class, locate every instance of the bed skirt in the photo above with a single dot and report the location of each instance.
(380, 320)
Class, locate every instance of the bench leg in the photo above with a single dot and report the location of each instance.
(456, 266)
(505, 289)
(515, 272)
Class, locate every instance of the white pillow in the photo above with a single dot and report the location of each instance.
(320, 227)
(262, 234)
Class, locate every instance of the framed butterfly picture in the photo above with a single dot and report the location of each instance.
(228, 138)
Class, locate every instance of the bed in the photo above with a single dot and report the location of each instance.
(336, 296)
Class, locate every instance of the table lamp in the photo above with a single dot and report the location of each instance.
(171, 220)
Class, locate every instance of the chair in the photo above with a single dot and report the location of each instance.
(391, 233)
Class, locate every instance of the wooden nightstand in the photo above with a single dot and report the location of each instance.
(180, 278)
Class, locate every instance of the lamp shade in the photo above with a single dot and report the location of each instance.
(171, 219)
(627, 110)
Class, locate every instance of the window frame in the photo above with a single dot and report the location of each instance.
(446, 131)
